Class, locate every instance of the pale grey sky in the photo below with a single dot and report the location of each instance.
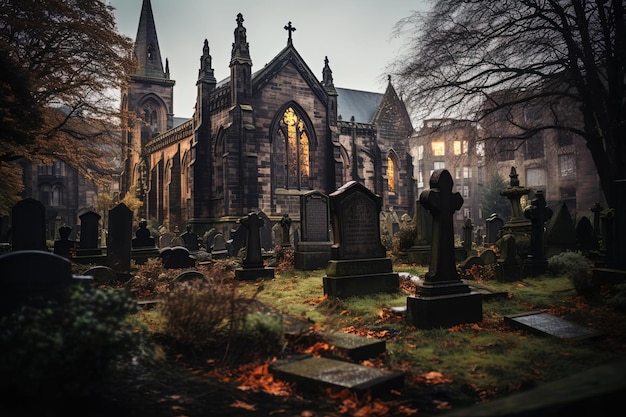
(356, 35)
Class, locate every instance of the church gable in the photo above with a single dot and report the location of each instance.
(392, 119)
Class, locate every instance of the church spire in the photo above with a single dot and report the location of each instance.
(146, 48)
(327, 75)
(240, 53)
(206, 73)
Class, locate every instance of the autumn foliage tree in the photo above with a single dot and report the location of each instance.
(61, 65)
(566, 56)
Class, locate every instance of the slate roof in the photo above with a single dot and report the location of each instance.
(360, 104)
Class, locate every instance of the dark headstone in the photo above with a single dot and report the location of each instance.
(419, 253)
(89, 236)
(101, 274)
(190, 239)
(177, 257)
(253, 262)
(586, 236)
(29, 225)
(538, 213)
(265, 232)
(313, 251)
(119, 240)
(468, 227)
(489, 257)
(142, 236)
(64, 246)
(509, 263)
(494, 225)
(560, 233)
(32, 276)
(218, 249)
(285, 227)
(237, 240)
(359, 264)
(442, 298)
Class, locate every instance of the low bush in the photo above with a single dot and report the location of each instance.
(576, 267)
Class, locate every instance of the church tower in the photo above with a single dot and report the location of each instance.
(147, 103)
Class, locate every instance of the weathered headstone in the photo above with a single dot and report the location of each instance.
(586, 236)
(252, 265)
(359, 264)
(560, 233)
(489, 257)
(285, 228)
(468, 227)
(142, 236)
(313, 251)
(64, 246)
(177, 257)
(218, 250)
(101, 274)
(29, 225)
(119, 240)
(33, 276)
(190, 239)
(494, 225)
(419, 253)
(509, 263)
(165, 240)
(89, 234)
(538, 213)
(442, 298)
(265, 232)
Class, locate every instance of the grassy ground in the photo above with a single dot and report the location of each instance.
(445, 369)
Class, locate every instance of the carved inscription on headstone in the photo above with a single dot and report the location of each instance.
(316, 221)
(360, 232)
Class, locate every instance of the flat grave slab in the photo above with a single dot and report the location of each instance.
(355, 347)
(547, 324)
(315, 374)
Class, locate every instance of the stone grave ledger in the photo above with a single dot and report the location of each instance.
(313, 251)
(358, 263)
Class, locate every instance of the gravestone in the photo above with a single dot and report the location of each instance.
(143, 245)
(177, 257)
(142, 236)
(560, 233)
(29, 225)
(442, 299)
(489, 257)
(586, 236)
(313, 250)
(517, 224)
(252, 265)
(187, 276)
(190, 239)
(32, 277)
(89, 235)
(359, 264)
(597, 210)
(237, 240)
(535, 262)
(165, 240)
(64, 246)
(468, 227)
(119, 240)
(285, 228)
(219, 247)
(545, 324)
(209, 236)
(265, 232)
(419, 253)
(509, 263)
(494, 225)
(101, 274)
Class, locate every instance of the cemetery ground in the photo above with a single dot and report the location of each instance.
(207, 349)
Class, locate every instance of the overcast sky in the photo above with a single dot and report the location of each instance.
(356, 35)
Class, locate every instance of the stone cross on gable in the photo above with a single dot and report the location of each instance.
(442, 203)
(289, 29)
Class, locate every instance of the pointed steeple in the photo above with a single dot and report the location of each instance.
(241, 52)
(146, 48)
(206, 73)
(327, 76)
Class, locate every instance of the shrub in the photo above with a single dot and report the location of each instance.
(575, 266)
(64, 348)
(284, 259)
(403, 239)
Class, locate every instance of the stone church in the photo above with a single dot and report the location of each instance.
(258, 140)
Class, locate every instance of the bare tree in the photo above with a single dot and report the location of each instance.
(472, 58)
(63, 63)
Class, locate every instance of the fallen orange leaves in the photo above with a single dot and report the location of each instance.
(245, 406)
(260, 379)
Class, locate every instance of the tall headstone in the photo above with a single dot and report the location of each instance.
(419, 253)
(468, 227)
(252, 265)
(538, 213)
(64, 246)
(143, 244)
(190, 239)
(359, 264)
(313, 250)
(442, 299)
(119, 240)
(89, 234)
(586, 236)
(285, 228)
(29, 225)
(494, 225)
(560, 233)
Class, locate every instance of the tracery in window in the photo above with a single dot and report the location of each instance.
(293, 166)
(391, 175)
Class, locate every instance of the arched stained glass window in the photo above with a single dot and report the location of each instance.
(293, 166)
(391, 175)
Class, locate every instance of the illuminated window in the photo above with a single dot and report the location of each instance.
(439, 165)
(467, 172)
(292, 163)
(391, 175)
(439, 148)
